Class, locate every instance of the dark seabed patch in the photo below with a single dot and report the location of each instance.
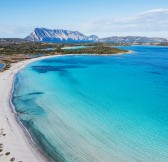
(29, 94)
(156, 72)
(36, 93)
(29, 99)
(40, 139)
(78, 60)
(45, 69)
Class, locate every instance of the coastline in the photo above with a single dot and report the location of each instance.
(14, 137)
(23, 149)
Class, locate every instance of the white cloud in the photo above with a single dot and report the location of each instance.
(11, 31)
(153, 21)
(158, 17)
(149, 23)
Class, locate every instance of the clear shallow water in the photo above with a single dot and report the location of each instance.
(98, 108)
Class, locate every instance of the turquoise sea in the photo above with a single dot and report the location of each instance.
(97, 108)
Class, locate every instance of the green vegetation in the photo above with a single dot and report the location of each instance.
(12, 159)
(94, 50)
(8, 153)
(14, 52)
(163, 44)
(41, 48)
(26, 48)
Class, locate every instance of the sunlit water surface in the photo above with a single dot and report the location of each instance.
(98, 108)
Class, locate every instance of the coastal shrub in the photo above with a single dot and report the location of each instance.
(8, 153)
(13, 159)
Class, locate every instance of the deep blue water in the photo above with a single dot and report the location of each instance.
(98, 108)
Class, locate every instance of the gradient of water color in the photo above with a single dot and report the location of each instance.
(98, 108)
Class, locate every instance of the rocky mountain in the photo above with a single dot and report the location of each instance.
(132, 39)
(59, 35)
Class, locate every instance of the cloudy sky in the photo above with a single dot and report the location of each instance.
(101, 17)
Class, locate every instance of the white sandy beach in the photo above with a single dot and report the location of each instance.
(12, 137)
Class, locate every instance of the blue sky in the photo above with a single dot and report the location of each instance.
(101, 17)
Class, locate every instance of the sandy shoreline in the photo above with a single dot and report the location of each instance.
(13, 138)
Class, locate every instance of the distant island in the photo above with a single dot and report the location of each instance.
(133, 39)
(60, 35)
